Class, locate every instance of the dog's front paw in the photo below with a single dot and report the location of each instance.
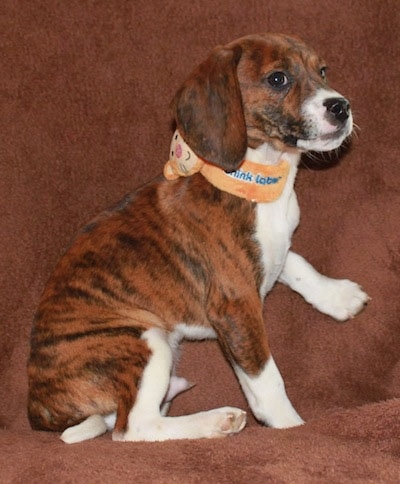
(341, 299)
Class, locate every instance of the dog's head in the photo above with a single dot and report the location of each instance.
(265, 88)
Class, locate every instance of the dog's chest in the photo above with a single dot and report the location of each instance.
(275, 224)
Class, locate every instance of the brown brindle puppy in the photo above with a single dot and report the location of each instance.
(186, 258)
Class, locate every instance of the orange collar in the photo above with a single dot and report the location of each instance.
(252, 181)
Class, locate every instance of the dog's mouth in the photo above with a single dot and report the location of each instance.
(325, 141)
(340, 134)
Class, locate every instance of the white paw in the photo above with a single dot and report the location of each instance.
(341, 299)
(90, 428)
(290, 419)
(226, 421)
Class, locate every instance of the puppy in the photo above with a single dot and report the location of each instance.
(193, 256)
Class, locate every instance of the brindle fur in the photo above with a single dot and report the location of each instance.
(171, 252)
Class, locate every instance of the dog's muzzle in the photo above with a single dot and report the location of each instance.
(327, 121)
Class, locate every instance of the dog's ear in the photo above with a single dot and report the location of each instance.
(209, 113)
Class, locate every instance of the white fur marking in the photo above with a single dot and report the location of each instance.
(319, 128)
(145, 422)
(267, 397)
(190, 332)
(110, 420)
(276, 221)
(339, 298)
(90, 428)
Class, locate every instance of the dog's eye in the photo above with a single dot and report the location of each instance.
(278, 79)
(322, 71)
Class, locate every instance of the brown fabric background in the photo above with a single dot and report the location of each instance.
(84, 118)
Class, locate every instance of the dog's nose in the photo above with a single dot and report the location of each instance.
(338, 108)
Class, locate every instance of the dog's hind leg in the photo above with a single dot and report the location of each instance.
(145, 421)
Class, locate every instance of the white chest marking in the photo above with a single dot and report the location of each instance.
(275, 224)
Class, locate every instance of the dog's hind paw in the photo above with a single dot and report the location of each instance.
(234, 422)
(227, 421)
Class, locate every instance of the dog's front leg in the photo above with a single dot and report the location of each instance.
(339, 298)
(242, 336)
(267, 396)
